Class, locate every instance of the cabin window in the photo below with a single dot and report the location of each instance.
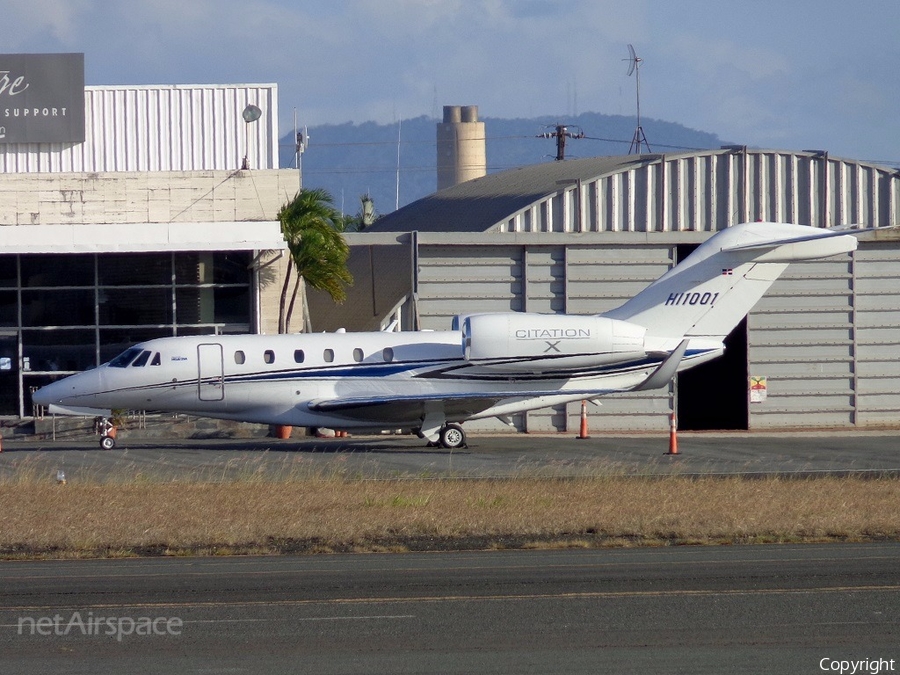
(141, 360)
(298, 356)
(387, 354)
(126, 357)
(357, 354)
(239, 357)
(328, 355)
(157, 361)
(269, 356)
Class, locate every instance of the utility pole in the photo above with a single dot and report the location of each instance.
(561, 133)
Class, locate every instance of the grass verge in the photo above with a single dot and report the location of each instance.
(322, 513)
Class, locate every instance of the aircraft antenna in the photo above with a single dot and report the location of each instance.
(634, 68)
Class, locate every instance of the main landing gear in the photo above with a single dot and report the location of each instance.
(452, 437)
(449, 436)
(439, 432)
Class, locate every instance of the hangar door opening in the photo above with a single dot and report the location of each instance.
(713, 395)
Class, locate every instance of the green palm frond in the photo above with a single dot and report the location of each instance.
(312, 229)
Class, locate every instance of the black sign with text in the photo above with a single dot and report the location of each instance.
(41, 98)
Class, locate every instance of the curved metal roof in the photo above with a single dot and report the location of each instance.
(700, 191)
(480, 204)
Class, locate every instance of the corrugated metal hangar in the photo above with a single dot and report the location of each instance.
(581, 236)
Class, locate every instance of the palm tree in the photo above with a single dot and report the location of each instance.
(312, 229)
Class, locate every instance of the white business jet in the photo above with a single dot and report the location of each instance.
(488, 365)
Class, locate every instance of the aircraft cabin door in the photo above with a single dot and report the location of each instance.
(211, 372)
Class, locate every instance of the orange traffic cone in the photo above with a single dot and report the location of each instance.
(673, 436)
(583, 433)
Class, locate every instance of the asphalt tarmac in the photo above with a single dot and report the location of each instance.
(751, 609)
(492, 456)
(760, 609)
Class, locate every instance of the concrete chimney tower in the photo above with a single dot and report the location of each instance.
(460, 146)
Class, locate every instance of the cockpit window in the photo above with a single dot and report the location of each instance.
(157, 361)
(141, 361)
(126, 357)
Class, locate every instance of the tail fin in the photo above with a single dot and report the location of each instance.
(708, 294)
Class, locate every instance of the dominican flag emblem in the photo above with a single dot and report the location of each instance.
(728, 272)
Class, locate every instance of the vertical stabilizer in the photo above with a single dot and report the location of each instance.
(709, 293)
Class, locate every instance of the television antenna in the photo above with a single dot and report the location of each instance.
(634, 67)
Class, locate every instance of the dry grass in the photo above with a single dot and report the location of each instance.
(261, 514)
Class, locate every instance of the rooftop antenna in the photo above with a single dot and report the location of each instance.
(634, 66)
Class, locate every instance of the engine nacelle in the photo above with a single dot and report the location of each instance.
(543, 342)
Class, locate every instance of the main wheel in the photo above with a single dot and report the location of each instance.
(453, 437)
(107, 442)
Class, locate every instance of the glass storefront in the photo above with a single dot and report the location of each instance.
(61, 314)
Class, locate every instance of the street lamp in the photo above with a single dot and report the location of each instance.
(251, 114)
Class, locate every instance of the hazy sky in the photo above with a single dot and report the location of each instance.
(787, 74)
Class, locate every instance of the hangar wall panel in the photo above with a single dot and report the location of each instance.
(877, 320)
(455, 280)
(801, 340)
(161, 128)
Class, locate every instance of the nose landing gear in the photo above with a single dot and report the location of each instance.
(107, 434)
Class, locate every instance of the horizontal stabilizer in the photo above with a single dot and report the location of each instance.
(818, 244)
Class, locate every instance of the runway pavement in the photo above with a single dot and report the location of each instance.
(762, 609)
(857, 452)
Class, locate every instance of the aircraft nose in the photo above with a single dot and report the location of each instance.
(69, 389)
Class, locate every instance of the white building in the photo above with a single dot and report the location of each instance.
(151, 226)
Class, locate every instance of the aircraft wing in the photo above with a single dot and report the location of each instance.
(403, 410)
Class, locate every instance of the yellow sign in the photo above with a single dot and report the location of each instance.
(759, 389)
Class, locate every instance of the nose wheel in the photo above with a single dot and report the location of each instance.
(107, 434)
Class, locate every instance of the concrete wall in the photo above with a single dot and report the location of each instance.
(100, 198)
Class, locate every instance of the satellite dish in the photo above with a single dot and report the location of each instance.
(633, 60)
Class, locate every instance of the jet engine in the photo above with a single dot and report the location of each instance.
(543, 342)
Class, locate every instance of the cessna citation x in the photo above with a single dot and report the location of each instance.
(488, 365)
